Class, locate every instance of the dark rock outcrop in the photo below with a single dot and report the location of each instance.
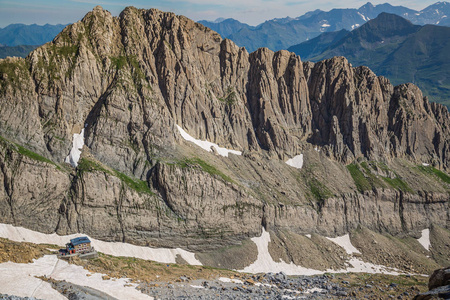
(438, 285)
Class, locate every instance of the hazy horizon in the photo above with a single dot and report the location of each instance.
(252, 12)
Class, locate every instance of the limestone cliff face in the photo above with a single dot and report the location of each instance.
(129, 80)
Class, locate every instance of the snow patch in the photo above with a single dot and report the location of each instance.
(264, 262)
(207, 145)
(359, 266)
(355, 26)
(363, 17)
(326, 25)
(229, 280)
(296, 161)
(344, 242)
(75, 152)
(425, 164)
(424, 240)
(308, 235)
(162, 255)
(19, 279)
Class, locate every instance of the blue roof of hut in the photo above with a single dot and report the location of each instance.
(80, 240)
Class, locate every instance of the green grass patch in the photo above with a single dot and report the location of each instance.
(433, 171)
(119, 62)
(366, 180)
(361, 182)
(140, 186)
(27, 152)
(397, 184)
(319, 190)
(204, 166)
(87, 165)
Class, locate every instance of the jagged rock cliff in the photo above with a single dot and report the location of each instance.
(129, 80)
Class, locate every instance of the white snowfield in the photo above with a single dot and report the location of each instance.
(344, 242)
(296, 161)
(424, 240)
(75, 152)
(265, 263)
(163, 255)
(207, 145)
(19, 280)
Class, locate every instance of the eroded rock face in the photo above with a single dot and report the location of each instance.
(129, 80)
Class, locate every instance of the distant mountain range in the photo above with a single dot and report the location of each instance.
(393, 47)
(20, 51)
(21, 34)
(20, 39)
(277, 34)
(226, 27)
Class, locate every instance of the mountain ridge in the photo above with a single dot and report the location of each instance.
(391, 46)
(128, 81)
(277, 34)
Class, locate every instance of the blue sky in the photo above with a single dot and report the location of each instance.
(249, 11)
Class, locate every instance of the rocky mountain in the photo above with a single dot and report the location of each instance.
(225, 27)
(282, 33)
(21, 34)
(436, 14)
(392, 47)
(319, 148)
(314, 47)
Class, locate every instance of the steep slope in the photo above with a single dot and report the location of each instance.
(395, 48)
(126, 82)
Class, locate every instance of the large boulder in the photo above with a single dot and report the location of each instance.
(438, 285)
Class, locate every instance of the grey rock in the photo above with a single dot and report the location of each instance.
(439, 278)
